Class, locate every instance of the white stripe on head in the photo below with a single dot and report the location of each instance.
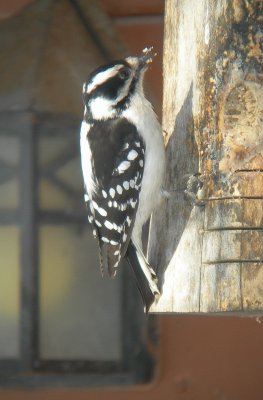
(102, 108)
(102, 77)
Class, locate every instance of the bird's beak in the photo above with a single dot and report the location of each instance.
(146, 58)
(141, 63)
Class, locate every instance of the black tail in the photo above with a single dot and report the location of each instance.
(145, 276)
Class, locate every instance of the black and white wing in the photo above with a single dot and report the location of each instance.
(116, 164)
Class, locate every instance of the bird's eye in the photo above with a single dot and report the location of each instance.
(124, 73)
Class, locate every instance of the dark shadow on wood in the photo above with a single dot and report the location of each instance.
(182, 159)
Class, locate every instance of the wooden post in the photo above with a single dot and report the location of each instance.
(210, 258)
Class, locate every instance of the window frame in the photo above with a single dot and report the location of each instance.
(29, 371)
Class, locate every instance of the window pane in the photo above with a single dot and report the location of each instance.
(79, 311)
(9, 149)
(9, 197)
(9, 292)
(49, 149)
(9, 158)
(60, 180)
(71, 173)
(51, 197)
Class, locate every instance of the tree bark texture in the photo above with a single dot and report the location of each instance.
(209, 257)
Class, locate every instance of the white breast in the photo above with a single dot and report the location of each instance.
(141, 114)
(86, 159)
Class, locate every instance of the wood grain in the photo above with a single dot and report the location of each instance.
(209, 258)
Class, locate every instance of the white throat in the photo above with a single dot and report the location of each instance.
(101, 108)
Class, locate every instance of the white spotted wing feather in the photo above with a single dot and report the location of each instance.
(118, 164)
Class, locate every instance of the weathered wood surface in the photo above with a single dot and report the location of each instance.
(210, 258)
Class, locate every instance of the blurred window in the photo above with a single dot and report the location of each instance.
(57, 315)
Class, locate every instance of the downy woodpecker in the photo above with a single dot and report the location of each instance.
(123, 161)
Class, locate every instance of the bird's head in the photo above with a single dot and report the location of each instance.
(110, 88)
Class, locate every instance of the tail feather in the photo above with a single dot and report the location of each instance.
(145, 276)
(109, 258)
